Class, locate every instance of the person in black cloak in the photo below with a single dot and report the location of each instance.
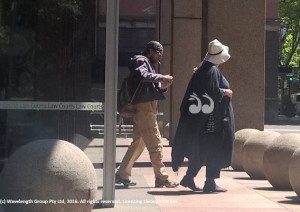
(205, 131)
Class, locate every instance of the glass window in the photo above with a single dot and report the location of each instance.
(52, 66)
(47, 57)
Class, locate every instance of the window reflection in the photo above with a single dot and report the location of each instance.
(54, 51)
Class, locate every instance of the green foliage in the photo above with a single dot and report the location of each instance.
(54, 21)
(55, 9)
(289, 13)
(3, 37)
(287, 51)
(50, 10)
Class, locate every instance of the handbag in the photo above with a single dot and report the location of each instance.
(125, 106)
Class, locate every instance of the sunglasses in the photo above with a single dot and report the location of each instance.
(159, 53)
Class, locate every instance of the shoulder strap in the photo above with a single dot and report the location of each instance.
(135, 92)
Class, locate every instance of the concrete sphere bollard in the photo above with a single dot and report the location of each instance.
(240, 138)
(294, 171)
(253, 152)
(50, 175)
(277, 158)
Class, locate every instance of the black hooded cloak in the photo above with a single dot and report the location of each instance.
(204, 98)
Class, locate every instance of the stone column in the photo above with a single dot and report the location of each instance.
(186, 50)
(240, 24)
(187, 27)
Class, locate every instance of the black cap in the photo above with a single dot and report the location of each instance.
(155, 45)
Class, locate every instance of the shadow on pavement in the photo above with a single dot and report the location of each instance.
(175, 193)
(293, 200)
(268, 189)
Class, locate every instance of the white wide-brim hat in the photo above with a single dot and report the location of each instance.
(217, 52)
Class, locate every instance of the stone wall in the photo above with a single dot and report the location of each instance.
(186, 27)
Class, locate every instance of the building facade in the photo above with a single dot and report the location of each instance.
(186, 30)
(52, 61)
(272, 61)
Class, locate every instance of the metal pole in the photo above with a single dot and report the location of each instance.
(111, 76)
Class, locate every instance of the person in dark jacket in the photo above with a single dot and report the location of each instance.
(205, 131)
(150, 87)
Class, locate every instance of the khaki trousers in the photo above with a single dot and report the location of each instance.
(145, 134)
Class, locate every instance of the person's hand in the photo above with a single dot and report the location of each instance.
(167, 81)
(228, 92)
(165, 85)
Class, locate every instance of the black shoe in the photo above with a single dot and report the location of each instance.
(125, 182)
(164, 183)
(211, 186)
(189, 182)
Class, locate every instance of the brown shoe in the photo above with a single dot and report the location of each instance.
(165, 183)
(189, 182)
(211, 186)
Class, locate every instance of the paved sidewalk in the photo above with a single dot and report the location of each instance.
(243, 193)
